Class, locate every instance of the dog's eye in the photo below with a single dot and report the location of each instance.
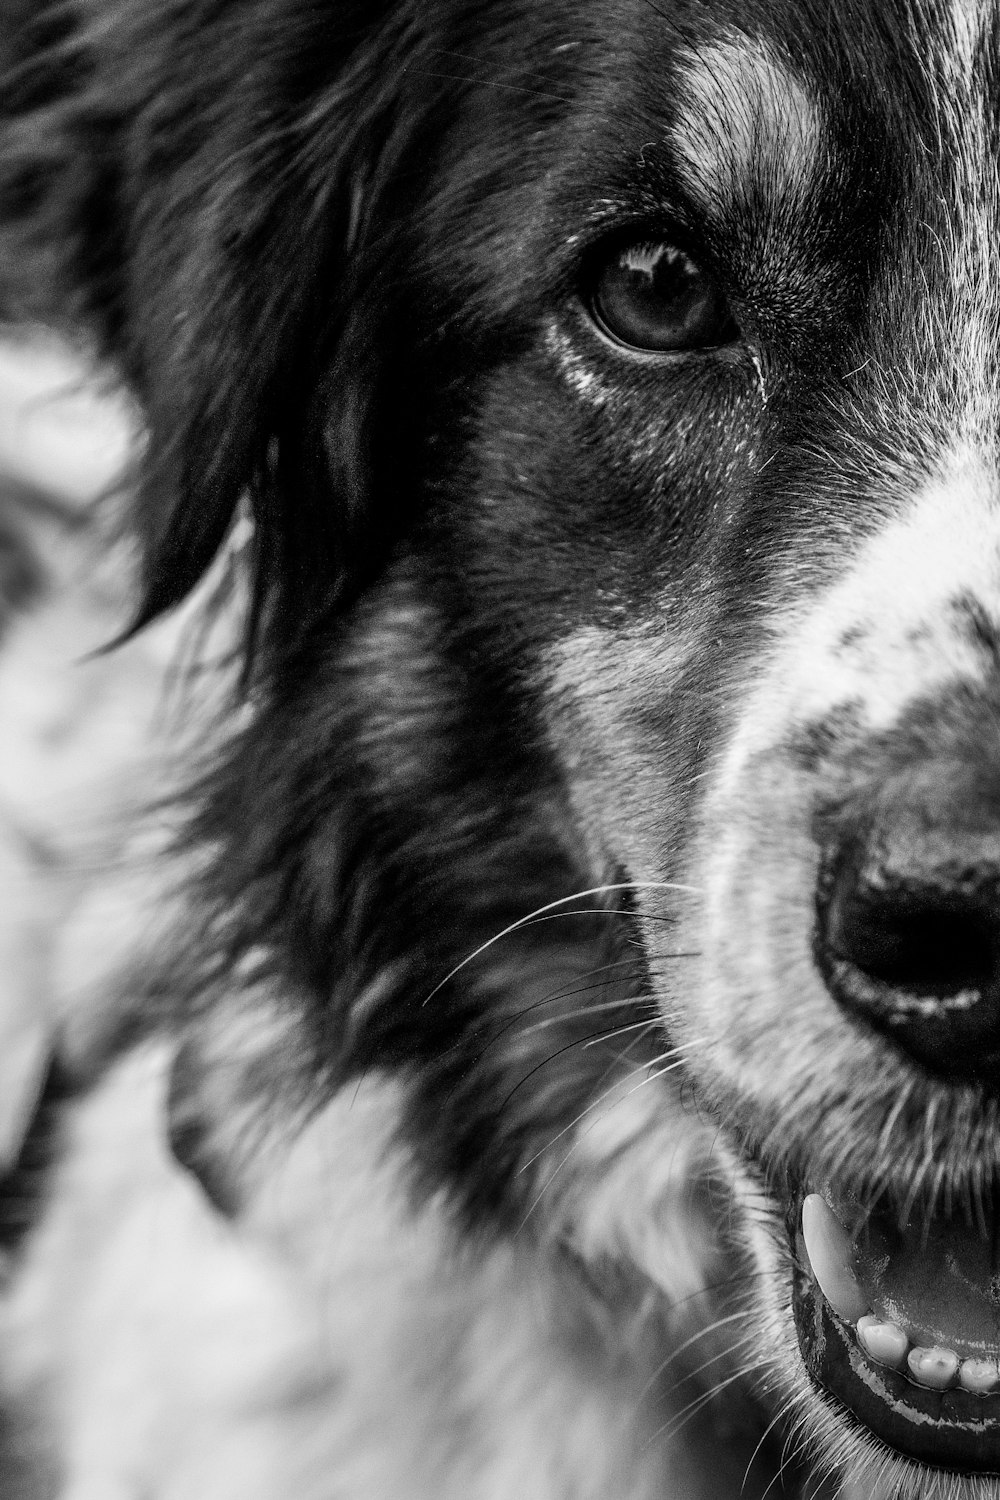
(650, 295)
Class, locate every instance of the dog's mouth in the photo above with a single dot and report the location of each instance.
(900, 1323)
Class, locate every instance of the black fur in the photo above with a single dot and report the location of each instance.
(325, 246)
(318, 242)
(259, 224)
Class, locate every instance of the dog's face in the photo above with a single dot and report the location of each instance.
(771, 674)
(734, 501)
(616, 386)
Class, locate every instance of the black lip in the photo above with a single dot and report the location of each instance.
(954, 1430)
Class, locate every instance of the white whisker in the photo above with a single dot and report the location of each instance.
(553, 906)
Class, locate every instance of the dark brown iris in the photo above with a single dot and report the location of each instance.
(650, 295)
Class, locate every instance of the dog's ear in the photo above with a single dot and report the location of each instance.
(220, 201)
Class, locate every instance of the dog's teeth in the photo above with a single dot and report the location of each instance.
(980, 1375)
(885, 1342)
(935, 1368)
(830, 1252)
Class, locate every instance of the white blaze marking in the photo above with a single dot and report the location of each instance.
(963, 112)
(898, 598)
(967, 24)
(744, 114)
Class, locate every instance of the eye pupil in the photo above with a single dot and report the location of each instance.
(651, 295)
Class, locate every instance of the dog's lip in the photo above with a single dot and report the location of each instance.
(949, 1429)
(927, 1278)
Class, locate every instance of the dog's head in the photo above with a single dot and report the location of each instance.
(614, 388)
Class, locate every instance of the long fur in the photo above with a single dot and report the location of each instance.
(444, 1146)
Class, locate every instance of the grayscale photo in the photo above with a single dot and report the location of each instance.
(499, 750)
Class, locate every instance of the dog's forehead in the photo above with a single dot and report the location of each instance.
(750, 102)
(747, 103)
(743, 110)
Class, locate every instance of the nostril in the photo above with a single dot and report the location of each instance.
(912, 945)
(908, 936)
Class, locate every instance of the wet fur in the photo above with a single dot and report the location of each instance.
(410, 1169)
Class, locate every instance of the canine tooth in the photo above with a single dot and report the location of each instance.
(830, 1252)
(980, 1375)
(935, 1368)
(885, 1342)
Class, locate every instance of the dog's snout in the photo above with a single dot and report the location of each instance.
(908, 933)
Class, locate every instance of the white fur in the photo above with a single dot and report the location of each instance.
(338, 1339)
(885, 632)
(334, 1341)
(742, 114)
(758, 860)
(598, 682)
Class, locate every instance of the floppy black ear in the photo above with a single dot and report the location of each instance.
(214, 192)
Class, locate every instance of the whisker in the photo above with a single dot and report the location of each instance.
(599, 911)
(726, 1353)
(794, 1446)
(579, 1014)
(632, 998)
(778, 1417)
(595, 1103)
(552, 906)
(584, 1010)
(618, 963)
(665, 1364)
(562, 994)
(595, 1036)
(670, 1429)
(729, 1282)
(574, 1146)
(702, 1333)
(491, 83)
(656, 1073)
(650, 1025)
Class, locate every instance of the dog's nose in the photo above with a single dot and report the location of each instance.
(908, 932)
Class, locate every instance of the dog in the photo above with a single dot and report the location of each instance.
(565, 1061)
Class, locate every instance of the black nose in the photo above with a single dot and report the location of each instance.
(908, 931)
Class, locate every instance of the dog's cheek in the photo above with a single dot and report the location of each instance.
(593, 492)
(603, 690)
(590, 517)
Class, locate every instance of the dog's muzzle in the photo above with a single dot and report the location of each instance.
(898, 1306)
